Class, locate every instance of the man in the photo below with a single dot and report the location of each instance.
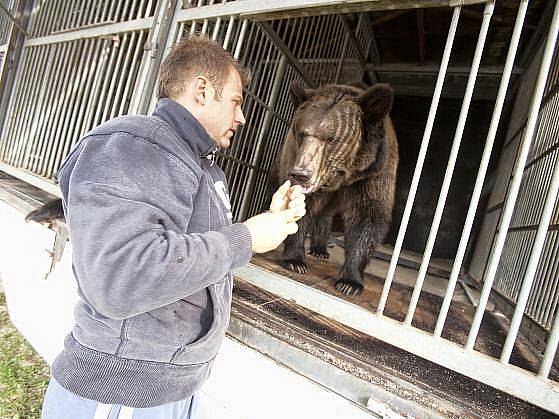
(154, 246)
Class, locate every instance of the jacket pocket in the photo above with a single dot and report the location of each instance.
(205, 349)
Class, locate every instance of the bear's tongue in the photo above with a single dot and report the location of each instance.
(306, 188)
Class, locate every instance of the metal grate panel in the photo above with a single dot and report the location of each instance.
(54, 17)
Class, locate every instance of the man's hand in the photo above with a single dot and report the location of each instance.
(287, 196)
(268, 230)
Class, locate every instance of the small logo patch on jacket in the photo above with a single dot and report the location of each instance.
(224, 195)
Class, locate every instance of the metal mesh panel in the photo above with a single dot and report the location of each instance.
(65, 89)
(52, 17)
(484, 244)
(5, 22)
(542, 158)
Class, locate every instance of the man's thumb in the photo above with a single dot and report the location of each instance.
(291, 228)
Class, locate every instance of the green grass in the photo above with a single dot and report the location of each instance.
(23, 374)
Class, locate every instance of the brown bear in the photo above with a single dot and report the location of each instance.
(342, 149)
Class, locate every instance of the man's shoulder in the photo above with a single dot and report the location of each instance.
(134, 125)
(148, 129)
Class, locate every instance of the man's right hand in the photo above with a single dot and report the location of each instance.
(269, 229)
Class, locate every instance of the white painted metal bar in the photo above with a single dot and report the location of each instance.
(550, 349)
(420, 160)
(476, 194)
(93, 32)
(228, 33)
(31, 178)
(507, 211)
(217, 26)
(487, 14)
(542, 393)
(528, 279)
(241, 39)
(255, 8)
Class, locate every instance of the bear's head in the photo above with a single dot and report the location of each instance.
(333, 129)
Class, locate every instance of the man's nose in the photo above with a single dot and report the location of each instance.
(240, 119)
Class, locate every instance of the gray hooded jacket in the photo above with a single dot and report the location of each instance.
(153, 247)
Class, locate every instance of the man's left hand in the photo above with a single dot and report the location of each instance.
(287, 196)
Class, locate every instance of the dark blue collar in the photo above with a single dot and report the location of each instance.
(186, 126)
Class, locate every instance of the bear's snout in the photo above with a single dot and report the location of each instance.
(300, 175)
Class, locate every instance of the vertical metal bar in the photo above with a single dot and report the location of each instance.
(193, 28)
(543, 278)
(40, 103)
(550, 349)
(259, 145)
(342, 58)
(9, 75)
(70, 109)
(55, 133)
(123, 47)
(132, 74)
(15, 104)
(487, 13)
(508, 208)
(84, 75)
(217, 26)
(228, 33)
(239, 46)
(50, 18)
(45, 134)
(420, 160)
(476, 194)
(28, 105)
(88, 82)
(94, 97)
(124, 74)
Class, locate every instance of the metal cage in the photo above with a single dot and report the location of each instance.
(81, 63)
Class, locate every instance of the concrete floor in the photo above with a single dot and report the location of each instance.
(247, 385)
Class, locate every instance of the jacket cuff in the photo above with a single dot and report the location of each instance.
(240, 242)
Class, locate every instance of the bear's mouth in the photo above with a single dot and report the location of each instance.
(307, 187)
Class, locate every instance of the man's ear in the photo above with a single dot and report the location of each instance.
(299, 94)
(200, 90)
(376, 102)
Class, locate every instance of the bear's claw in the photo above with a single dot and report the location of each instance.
(296, 266)
(319, 252)
(348, 287)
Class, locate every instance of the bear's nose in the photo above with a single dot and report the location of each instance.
(300, 175)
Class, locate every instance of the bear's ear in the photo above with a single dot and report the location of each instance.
(376, 102)
(298, 93)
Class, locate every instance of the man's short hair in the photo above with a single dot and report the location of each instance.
(196, 56)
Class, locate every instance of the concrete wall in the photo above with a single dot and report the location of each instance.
(40, 306)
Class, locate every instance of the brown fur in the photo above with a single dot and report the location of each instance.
(353, 174)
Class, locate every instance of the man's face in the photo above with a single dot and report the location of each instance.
(223, 114)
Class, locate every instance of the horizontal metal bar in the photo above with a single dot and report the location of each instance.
(291, 8)
(541, 392)
(32, 179)
(93, 32)
(433, 69)
(552, 227)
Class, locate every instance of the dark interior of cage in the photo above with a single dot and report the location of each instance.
(403, 48)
